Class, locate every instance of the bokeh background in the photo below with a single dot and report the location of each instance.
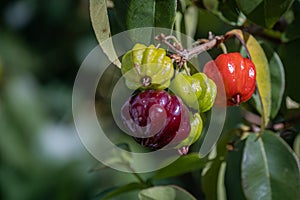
(42, 45)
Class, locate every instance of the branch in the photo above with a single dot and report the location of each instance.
(187, 54)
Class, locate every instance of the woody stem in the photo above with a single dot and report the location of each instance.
(189, 53)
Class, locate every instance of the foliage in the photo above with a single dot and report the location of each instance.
(254, 158)
(43, 43)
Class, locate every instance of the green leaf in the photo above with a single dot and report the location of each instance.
(210, 179)
(248, 6)
(117, 16)
(273, 13)
(270, 169)
(190, 21)
(213, 174)
(182, 165)
(165, 12)
(277, 75)
(264, 12)
(100, 22)
(211, 5)
(221, 191)
(262, 75)
(182, 193)
(170, 192)
(150, 13)
(141, 14)
(297, 145)
(115, 191)
(158, 192)
(228, 10)
(288, 53)
(233, 180)
(263, 79)
(293, 17)
(116, 158)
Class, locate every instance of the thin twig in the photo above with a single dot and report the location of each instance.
(241, 41)
(187, 54)
(201, 48)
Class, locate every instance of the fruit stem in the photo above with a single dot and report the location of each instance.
(186, 68)
(262, 126)
(229, 34)
(139, 178)
(223, 47)
(236, 99)
(136, 174)
(263, 116)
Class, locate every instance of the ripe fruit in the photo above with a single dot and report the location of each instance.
(147, 67)
(196, 91)
(238, 76)
(156, 118)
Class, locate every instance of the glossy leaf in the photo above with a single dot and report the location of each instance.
(182, 165)
(248, 6)
(221, 186)
(233, 181)
(190, 20)
(152, 13)
(215, 171)
(158, 192)
(273, 13)
(289, 52)
(277, 75)
(263, 12)
(115, 158)
(263, 79)
(140, 14)
(116, 191)
(210, 178)
(165, 12)
(100, 22)
(169, 192)
(182, 193)
(228, 11)
(270, 169)
(292, 31)
(297, 145)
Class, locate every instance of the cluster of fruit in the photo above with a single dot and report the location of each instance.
(164, 111)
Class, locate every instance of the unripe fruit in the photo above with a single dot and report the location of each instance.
(196, 129)
(196, 91)
(238, 74)
(147, 67)
(157, 117)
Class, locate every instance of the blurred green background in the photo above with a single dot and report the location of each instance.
(42, 45)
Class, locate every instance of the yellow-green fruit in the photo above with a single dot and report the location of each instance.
(196, 91)
(147, 67)
(208, 96)
(196, 129)
(188, 88)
